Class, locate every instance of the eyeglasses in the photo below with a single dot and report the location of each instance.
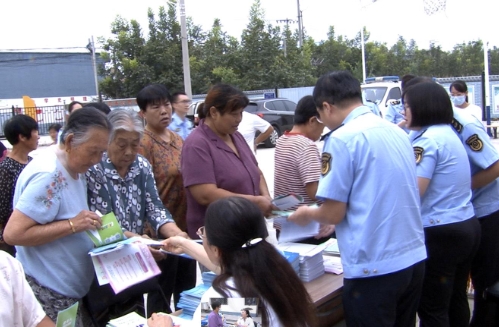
(319, 120)
(184, 102)
(200, 232)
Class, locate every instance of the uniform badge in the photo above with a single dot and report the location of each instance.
(395, 102)
(474, 142)
(326, 163)
(457, 125)
(418, 153)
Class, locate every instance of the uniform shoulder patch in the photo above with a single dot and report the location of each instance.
(325, 163)
(418, 153)
(395, 102)
(457, 125)
(475, 143)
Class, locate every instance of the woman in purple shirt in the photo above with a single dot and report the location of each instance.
(216, 160)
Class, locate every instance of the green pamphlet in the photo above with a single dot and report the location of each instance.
(110, 231)
(67, 317)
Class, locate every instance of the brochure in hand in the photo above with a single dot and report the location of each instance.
(110, 231)
(117, 260)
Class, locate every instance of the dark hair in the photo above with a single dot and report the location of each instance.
(249, 266)
(104, 108)
(19, 125)
(153, 94)
(176, 95)
(81, 121)
(338, 88)
(305, 109)
(55, 126)
(216, 304)
(417, 80)
(460, 86)
(247, 312)
(429, 104)
(405, 79)
(225, 98)
(72, 104)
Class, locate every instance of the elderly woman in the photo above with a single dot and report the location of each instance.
(123, 183)
(51, 215)
(216, 160)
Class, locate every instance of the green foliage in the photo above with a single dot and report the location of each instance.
(258, 60)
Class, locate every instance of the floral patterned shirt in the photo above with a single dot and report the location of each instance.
(133, 199)
(165, 160)
(9, 172)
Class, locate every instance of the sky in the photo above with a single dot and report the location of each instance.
(52, 24)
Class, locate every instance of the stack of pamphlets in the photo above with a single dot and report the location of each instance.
(310, 258)
(293, 259)
(190, 299)
(208, 277)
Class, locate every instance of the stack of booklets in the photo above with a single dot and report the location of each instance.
(310, 258)
(293, 259)
(190, 299)
(208, 277)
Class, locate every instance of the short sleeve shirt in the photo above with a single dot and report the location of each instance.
(182, 127)
(297, 163)
(19, 305)
(368, 163)
(9, 170)
(250, 124)
(481, 155)
(134, 198)
(46, 192)
(441, 158)
(207, 159)
(165, 160)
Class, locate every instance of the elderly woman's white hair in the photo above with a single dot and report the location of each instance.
(125, 120)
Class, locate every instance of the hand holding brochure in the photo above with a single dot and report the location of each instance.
(110, 231)
(285, 202)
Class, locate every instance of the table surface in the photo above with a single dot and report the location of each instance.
(324, 288)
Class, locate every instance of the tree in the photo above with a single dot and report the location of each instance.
(124, 72)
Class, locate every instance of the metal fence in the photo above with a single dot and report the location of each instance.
(45, 116)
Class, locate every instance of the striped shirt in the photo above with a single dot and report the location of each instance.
(297, 163)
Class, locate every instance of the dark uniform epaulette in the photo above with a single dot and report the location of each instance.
(457, 125)
(325, 136)
(395, 102)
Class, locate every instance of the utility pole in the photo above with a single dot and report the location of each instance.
(286, 21)
(91, 48)
(300, 25)
(185, 52)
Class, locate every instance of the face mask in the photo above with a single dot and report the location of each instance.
(458, 100)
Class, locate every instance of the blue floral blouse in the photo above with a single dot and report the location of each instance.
(133, 199)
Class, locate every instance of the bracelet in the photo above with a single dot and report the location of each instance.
(72, 226)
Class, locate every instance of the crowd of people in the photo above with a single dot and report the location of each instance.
(413, 200)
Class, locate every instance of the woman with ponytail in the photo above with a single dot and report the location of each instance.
(234, 246)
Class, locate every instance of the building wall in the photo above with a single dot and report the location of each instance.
(46, 74)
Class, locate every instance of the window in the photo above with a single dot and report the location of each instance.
(252, 108)
(270, 105)
(290, 105)
(394, 94)
(279, 105)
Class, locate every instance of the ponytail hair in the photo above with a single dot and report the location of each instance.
(237, 228)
